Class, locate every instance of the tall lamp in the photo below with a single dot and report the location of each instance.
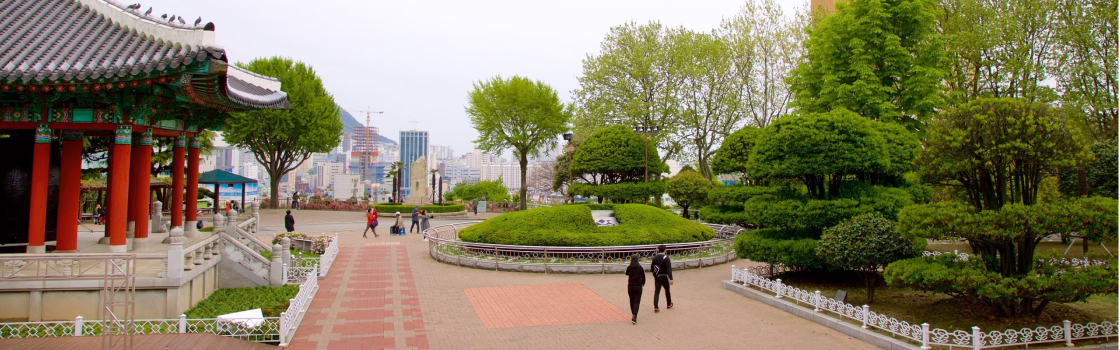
(568, 137)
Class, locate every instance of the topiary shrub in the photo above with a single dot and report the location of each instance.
(572, 226)
(794, 248)
(432, 208)
(865, 243)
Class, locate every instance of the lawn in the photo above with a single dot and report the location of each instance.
(572, 226)
(944, 312)
(271, 300)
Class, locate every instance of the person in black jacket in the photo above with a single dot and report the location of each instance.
(636, 279)
(290, 222)
(662, 270)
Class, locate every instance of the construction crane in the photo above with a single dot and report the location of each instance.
(367, 152)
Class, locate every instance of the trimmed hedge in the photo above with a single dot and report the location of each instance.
(572, 226)
(627, 191)
(794, 248)
(434, 208)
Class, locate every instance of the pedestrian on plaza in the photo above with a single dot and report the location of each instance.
(371, 222)
(635, 281)
(474, 206)
(662, 270)
(290, 221)
(97, 214)
(398, 226)
(424, 216)
(198, 223)
(415, 218)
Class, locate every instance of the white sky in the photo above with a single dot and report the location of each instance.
(416, 60)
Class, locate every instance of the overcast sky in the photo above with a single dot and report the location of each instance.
(416, 60)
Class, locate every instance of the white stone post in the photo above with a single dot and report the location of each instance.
(218, 222)
(156, 222)
(175, 257)
(256, 215)
(78, 326)
(817, 301)
(733, 274)
(925, 336)
(977, 339)
(283, 328)
(1069, 332)
(778, 287)
(231, 223)
(286, 244)
(866, 315)
(276, 270)
(182, 323)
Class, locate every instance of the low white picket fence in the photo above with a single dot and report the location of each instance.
(300, 267)
(922, 334)
(1052, 261)
(268, 329)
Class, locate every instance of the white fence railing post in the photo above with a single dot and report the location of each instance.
(778, 288)
(925, 336)
(866, 315)
(182, 323)
(284, 328)
(1067, 325)
(977, 339)
(78, 326)
(817, 301)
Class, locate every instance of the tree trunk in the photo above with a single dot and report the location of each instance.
(1083, 191)
(869, 283)
(684, 210)
(524, 164)
(273, 184)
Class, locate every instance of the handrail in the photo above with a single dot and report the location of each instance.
(199, 244)
(245, 248)
(256, 241)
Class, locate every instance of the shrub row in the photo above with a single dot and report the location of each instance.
(572, 226)
(794, 248)
(620, 192)
(434, 208)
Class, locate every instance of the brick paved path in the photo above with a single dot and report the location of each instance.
(388, 293)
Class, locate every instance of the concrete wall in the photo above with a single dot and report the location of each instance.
(150, 303)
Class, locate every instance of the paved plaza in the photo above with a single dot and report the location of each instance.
(388, 293)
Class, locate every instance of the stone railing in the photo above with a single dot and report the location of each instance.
(1067, 332)
(445, 246)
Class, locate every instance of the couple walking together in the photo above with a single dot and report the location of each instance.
(662, 271)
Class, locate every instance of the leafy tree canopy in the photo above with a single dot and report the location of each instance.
(733, 154)
(865, 243)
(688, 187)
(519, 114)
(616, 154)
(281, 140)
(491, 190)
(998, 150)
(878, 58)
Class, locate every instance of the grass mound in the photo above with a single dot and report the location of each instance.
(572, 226)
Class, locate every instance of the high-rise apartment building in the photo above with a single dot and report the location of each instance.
(414, 144)
(364, 152)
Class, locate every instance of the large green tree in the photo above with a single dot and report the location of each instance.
(765, 47)
(281, 140)
(1086, 69)
(708, 95)
(630, 82)
(878, 58)
(615, 155)
(866, 244)
(519, 114)
(733, 154)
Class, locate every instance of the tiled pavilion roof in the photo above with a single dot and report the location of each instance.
(56, 43)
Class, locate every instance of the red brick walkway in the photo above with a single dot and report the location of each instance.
(368, 301)
(542, 305)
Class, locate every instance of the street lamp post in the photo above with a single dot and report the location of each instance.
(645, 131)
(568, 137)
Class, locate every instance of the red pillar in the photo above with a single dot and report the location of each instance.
(40, 175)
(118, 178)
(133, 181)
(192, 184)
(177, 181)
(108, 192)
(69, 191)
(143, 194)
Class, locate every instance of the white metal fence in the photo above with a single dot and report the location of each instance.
(268, 329)
(300, 267)
(1074, 262)
(921, 333)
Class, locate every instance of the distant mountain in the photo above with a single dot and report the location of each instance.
(349, 123)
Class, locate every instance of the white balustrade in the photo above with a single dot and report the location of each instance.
(921, 333)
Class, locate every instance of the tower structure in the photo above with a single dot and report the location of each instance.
(364, 148)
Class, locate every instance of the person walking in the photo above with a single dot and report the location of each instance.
(424, 216)
(371, 222)
(662, 270)
(635, 281)
(97, 214)
(290, 221)
(474, 206)
(415, 218)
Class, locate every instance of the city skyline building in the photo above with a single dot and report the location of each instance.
(414, 144)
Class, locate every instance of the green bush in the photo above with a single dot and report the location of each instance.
(620, 192)
(865, 243)
(572, 226)
(740, 194)
(206, 229)
(432, 208)
(794, 248)
(271, 300)
(1008, 296)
